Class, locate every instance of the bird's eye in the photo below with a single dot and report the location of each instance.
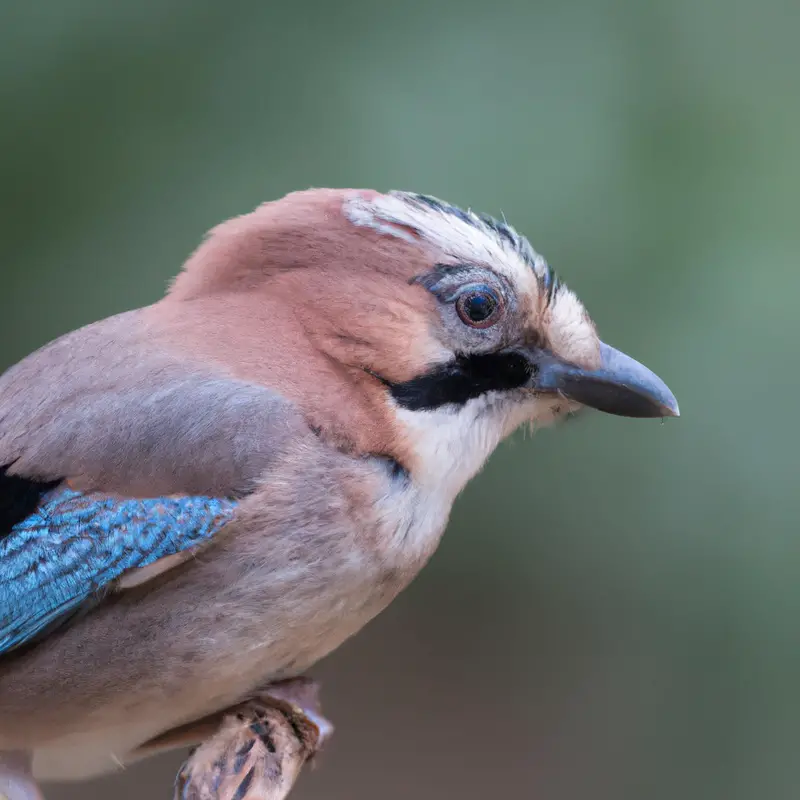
(479, 306)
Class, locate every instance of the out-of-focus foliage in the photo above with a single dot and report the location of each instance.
(613, 612)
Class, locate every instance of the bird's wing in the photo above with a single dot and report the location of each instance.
(76, 548)
(115, 454)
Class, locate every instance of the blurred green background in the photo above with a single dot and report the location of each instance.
(613, 611)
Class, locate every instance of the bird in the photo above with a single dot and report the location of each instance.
(205, 496)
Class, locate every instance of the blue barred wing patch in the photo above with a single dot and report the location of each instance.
(75, 545)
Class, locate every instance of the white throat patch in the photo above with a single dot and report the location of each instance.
(451, 445)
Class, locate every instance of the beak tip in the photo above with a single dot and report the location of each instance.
(661, 400)
(671, 410)
(669, 404)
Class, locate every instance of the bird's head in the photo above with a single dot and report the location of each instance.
(407, 326)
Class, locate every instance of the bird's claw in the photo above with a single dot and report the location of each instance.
(260, 748)
(298, 698)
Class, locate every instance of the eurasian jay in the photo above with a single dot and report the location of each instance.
(204, 497)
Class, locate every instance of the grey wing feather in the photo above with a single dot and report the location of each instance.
(110, 409)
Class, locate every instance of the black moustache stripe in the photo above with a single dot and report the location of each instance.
(462, 379)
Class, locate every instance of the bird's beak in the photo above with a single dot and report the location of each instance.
(620, 386)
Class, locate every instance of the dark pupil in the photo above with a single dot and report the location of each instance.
(479, 307)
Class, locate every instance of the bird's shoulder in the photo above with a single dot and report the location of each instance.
(119, 456)
(112, 408)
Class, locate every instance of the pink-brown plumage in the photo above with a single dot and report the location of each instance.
(308, 362)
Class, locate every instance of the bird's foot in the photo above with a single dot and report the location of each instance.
(258, 751)
(300, 698)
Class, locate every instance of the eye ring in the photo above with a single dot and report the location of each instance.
(479, 306)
